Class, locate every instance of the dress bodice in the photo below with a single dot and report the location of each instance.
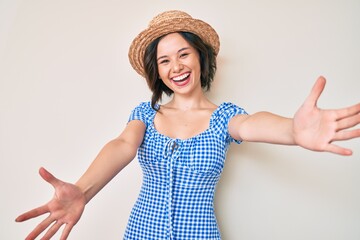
(179, 179)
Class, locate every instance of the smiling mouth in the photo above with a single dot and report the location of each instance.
(181, 78)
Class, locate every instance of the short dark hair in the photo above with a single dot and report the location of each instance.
(207, 65)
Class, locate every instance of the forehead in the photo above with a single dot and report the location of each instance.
(172, 42)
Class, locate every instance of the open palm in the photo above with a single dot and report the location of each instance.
(65, 208)
(316, 129)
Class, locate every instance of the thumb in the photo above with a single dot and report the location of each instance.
(316, 91)
(47, 176)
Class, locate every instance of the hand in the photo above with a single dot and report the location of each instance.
(316, 129)
(66, 207)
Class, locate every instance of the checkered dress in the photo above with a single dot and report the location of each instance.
(179, 179)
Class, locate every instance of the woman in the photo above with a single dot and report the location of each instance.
(182, 144)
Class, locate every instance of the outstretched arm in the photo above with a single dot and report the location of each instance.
(311, 128)
(68, 203)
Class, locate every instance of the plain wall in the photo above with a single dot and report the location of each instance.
(66, 88)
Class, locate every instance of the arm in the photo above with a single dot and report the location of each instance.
(311, 128)
(262, 127)
(112, 159)
(69, 200)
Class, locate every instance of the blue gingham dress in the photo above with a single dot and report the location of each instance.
(179, 179)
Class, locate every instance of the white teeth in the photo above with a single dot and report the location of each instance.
(182, 77)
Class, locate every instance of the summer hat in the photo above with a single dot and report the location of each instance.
(165, 23)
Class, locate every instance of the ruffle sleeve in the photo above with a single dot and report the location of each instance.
(142, 112)
(226, 112)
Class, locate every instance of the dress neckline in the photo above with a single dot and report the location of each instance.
(211, 121)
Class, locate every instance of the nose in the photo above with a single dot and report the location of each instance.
(177, 66)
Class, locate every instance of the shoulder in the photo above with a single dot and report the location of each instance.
(229, 110)
(143, 112)
(225, 112)
(223, 120)
(145, 107)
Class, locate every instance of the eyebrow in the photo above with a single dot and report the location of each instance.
(180, 50)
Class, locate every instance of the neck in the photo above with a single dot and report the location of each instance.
(184, 103)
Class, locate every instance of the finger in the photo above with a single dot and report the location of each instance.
(47, 176)
(338, 150)
(348, 122)
(51, 232)
(316, 91)
(40, 228)
(66, 232)
(346, 135)
(347, 112)
(32, 213)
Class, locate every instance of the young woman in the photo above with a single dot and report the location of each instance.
(182, 144)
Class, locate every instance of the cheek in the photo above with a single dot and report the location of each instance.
(195, 64)
(163, 79)
(162, 72)
(197, 70)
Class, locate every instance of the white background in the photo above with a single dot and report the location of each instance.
(66, 88)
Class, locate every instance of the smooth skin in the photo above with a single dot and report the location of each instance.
(189, 112)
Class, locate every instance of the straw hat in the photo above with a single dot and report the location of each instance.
(165, 23)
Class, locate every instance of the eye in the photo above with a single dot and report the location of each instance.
(164, 61)
(183, 55)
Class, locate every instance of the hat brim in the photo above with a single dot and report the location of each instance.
(195, 26)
